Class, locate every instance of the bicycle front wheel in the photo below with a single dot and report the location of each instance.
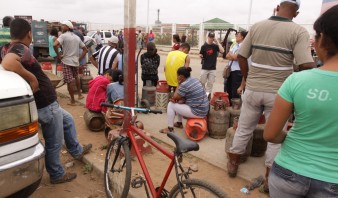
(197, 188)
(117, 175)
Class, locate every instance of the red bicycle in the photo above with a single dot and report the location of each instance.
(117, 170)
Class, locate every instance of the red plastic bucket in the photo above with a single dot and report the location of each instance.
(46, 66)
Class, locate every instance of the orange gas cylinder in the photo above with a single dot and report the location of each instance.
(46, 66)
(196, 128)
(222, 95)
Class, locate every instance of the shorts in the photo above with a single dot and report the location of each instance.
(69, 73)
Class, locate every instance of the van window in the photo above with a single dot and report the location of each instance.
(107, 34)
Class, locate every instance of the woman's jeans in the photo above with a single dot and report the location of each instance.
(57, 125)
(284, 183)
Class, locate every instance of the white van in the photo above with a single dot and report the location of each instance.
(105, 35)
(21, 152)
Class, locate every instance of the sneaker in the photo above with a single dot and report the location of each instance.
(67, 177)
(86, 149)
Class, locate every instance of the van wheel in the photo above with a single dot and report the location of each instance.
(26, 192)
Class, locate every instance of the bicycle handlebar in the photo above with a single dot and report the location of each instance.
(143, 110)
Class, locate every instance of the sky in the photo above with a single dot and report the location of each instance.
(171, 11)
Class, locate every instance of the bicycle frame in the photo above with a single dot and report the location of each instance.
(134, 130)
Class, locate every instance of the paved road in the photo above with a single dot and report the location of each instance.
(195, 64)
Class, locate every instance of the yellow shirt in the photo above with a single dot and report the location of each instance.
(175, 60)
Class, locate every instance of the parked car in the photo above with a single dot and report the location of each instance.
(21, 152)
(105, 35)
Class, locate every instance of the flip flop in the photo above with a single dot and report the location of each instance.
(80, 97)
(165, 131)
(71, 104)
(178, 125)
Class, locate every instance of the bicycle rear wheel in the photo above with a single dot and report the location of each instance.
(117, 176)
(197, 188)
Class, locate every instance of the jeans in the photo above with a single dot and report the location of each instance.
(285, 183)
(72, 143)
(50, 118)
(57, 125)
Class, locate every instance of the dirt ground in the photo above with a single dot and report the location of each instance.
(88, 184)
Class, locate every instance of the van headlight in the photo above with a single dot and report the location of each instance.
(18, 121)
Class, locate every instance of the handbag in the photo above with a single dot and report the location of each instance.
(227, 70)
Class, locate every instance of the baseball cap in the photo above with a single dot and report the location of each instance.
(211, 34)
(113, 39)
(297, 2)
(68, 23)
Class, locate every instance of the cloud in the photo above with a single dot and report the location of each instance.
(173, 11)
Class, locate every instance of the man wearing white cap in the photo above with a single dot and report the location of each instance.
(107, 57)
(273, 44)
(71, 45)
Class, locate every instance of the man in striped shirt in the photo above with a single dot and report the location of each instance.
(273, 44)
(5, 36)
(106, 58)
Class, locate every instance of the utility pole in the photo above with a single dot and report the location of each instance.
(129, 69)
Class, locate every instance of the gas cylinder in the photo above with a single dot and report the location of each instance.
(230, 137)
(162, 95)
(233, 114)
(196, 128)
(46, 66)
(259, 145)
(84, 79)
(84, 83)
(220, 95)
(59, 71)
(148, 95)
(94, 120)
(218, 119)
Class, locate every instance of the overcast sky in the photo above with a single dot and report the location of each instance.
(171, 11)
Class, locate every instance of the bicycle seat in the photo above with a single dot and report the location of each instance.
(183, 145)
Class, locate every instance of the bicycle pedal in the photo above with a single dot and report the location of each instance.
(137, 182)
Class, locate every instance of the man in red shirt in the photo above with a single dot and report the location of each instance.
(97, 91)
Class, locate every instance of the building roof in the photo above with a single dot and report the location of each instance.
(214, 24)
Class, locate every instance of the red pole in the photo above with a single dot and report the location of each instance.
(129, 56)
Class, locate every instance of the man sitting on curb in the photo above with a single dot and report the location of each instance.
(56, 123)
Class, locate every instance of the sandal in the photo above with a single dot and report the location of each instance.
(167, 130)
(263, 189)
(67, 177)
(178, 125)
(71, 104)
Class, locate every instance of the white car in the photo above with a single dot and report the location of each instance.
(105, 35)
(21, 152)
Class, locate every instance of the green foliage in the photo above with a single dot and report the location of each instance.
(164, 39)
(87, 168)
